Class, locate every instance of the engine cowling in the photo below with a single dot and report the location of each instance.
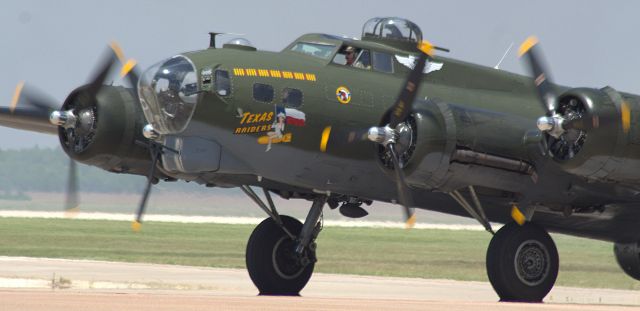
(601, 146)
(106, 130)
(429, 161)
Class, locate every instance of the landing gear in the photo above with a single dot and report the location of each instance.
(273, 264)
(522, 263)
(628, 257)
(281, 252)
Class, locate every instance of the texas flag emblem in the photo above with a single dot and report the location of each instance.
(292, 116)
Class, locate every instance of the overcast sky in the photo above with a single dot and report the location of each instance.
(54, 45)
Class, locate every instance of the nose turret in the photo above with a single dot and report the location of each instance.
(168, 94)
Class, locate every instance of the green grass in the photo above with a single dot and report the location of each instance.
(447, 254)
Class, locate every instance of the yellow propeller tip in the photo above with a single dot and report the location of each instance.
(517, 215)
(527, 45)
(411, 222)
(625, 112)
(426, 47)
(325, 138)
(16, 96)
(72, 212)
(136, 226)
(127, 67)
(117, 50)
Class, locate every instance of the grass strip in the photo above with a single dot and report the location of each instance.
(447, 254)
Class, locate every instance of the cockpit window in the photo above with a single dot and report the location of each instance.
(382, 62)
(323, 51)
(364, 60)
(353, 57)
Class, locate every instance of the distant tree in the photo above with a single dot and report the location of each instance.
(46, 169)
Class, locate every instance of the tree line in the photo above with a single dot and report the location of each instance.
(46, 170)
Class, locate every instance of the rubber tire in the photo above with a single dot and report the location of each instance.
(260, 263)
(628, 258)
(501, 266)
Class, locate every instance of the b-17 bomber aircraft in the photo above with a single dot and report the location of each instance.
(343, 122)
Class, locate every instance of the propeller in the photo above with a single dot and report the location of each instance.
(388, 135)
(31, 101)
(39, 112)
(72, 201)
(560, 119)
(156, 150)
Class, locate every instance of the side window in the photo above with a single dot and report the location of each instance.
(364, 60)
(223, 83)
(263, 92)
(353, 57)
(292, 97)
(382, 62)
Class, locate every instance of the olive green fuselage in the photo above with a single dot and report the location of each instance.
(460, 107)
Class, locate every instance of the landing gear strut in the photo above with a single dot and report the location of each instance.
(522, 263)
(281, 252)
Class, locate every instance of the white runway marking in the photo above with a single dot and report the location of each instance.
(230, 220)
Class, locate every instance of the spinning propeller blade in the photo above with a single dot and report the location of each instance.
(404, 102)
(156, 151)
(72, 202)
(529, 50)
(28, 96)
(404, 194)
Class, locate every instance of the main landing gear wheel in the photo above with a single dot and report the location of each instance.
(628, 257)
(522, 263)
(273, 264)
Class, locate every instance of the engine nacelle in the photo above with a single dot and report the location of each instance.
(450, 148)
(433, 142)
(601, 147)
(106, 130)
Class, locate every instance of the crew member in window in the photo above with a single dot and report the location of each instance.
(350, 55)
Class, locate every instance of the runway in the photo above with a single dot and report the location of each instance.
(57, 284)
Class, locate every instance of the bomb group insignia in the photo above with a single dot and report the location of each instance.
(343, 95)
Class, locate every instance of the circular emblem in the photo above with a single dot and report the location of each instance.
(343, 94)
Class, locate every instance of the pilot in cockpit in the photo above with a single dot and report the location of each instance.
(350, 55)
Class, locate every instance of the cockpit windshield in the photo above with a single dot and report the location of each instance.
(319, 50)
(168, 94)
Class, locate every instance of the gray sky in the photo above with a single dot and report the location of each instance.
(54, 45)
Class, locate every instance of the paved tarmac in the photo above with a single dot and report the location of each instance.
(57, 284)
